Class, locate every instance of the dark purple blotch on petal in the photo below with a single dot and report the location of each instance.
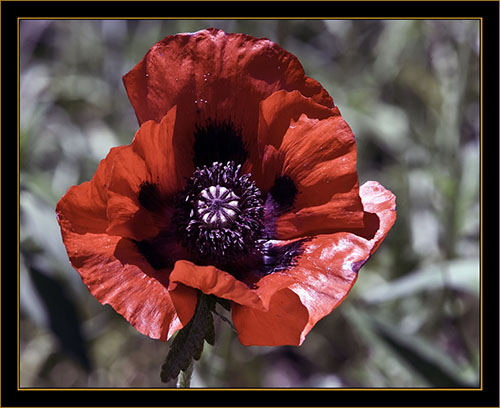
(150, 197)
(282, 257)
(283, 193)
(216, 141)
(356, 266)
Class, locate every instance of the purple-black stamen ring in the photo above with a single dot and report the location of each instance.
(220, 214)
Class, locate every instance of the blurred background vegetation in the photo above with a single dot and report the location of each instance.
(410, 91)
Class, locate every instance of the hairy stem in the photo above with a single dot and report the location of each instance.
(184, 378)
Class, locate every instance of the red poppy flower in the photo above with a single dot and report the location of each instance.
(240, 183)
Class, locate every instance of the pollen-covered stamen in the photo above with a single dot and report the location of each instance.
(217, 206)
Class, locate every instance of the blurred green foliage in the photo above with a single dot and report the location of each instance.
(410, 91)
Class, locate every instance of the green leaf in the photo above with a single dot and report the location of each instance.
(188, 343)
(424, 359)
(64, 321)
(210, 335)
(461, 274)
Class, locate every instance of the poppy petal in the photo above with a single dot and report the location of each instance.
(213, 281)
(117, 275)
(381, 202)
(154, 144)
(84, 206)
(275, 114)
(282, 324)
(214, 77)
(329, 266)
(315, 148)
(126, 216)
(324, 275)
(150, 159)
(210, 65)
(282, 107)
(320, 156)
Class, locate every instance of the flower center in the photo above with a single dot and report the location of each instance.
(217, 206)
(220, 214)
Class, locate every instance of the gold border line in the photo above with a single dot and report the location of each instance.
(253, 1)
(242, 18)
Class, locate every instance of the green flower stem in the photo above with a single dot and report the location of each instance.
(184, 378)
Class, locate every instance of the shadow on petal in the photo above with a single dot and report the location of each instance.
(372, 225)
(184, 301)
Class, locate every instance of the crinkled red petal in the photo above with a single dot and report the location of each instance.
(110, 202)
(324, 275)
(99, 219)
(213, 281)
(314, 147)
(116, 274)
(330, 265)
(213, 76)
(281, 325)
(84, 206)
(127, 218)
(222, 71)
(154, 143)
(275, 114)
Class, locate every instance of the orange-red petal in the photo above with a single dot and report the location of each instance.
(154, 143)
(282, 324)
(276, 113)
(127, 218)
(315, 148)
(213, 281)
(99, 219)
(213, 76)
(110, 202)
(323, 276)
(84, 206)
(116, 274)
(320, 157)
(224, 69)
(329, 266)
(379, 201)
